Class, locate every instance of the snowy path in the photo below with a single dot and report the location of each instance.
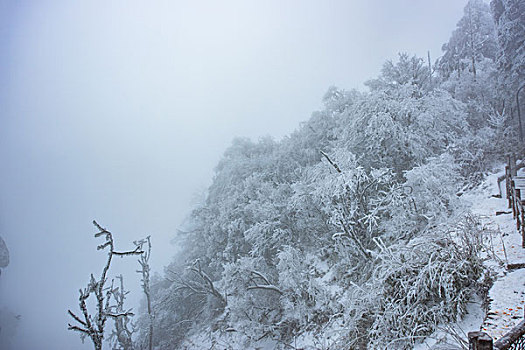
(507, 295)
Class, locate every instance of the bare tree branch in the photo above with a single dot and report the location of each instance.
(122, 333)
(266, 286)
(92, 325)
(336, 167)
(356, 240)
(145, 271)
(78, 329)
(77, 318)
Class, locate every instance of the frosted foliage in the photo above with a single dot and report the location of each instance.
(352, 199)
(337, 101)
(423, 283)
(406, 71)
(336, 232)
(436, 180)
(4, 254)
(476, 91)
(253, 298)
(509, 16)
(401, 130)
(306, 301)
(427, 197)
(465, 87)
(473, 40)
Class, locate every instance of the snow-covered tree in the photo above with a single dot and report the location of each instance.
(121, 337)
(407, 71)
(145, 271)
(509, 16)
(400, 130)
(473, 40)
(4, 254)
(309, 233)
(92, 324)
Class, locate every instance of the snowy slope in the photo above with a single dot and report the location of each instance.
(496, 316)
(506, 298)
(507, 295)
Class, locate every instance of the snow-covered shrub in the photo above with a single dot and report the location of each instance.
(423, 283)
(400, 124)
(252, 294)
(432, 188)
(353, 199)
(488, 145)
(306, 302)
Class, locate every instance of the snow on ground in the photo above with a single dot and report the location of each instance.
(450, 336)
(506, 308)
(507, 295)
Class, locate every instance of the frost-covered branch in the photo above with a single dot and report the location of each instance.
(202, 286)
(122, 333)
(92, 324)
(267, 285)
(351, 234)
(336, 167)
(119, 315)
(209, 288)
(145, 271)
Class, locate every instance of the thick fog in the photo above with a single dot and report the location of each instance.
(118, 111)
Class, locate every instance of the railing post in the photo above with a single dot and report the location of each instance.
(519, 113)
(479, 341)
(472, 339)
(517, 201)
(513, 168)
(485, 342)
(507, 181)
(513, 195)
(522, 219)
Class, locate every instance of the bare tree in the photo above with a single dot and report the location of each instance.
(122, 334)
(92, 324)
(145, 271)
(201, 284)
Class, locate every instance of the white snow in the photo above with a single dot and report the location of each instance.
(507, 295)
(448, 336)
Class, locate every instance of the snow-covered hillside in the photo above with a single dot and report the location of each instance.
(504, 307)
(507, 295)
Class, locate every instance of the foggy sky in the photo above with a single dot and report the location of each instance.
(119, 110)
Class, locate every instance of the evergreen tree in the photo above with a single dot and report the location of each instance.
(473, 40)
(509, 16)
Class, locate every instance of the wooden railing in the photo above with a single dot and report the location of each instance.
(513, 340)
(515, 185)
